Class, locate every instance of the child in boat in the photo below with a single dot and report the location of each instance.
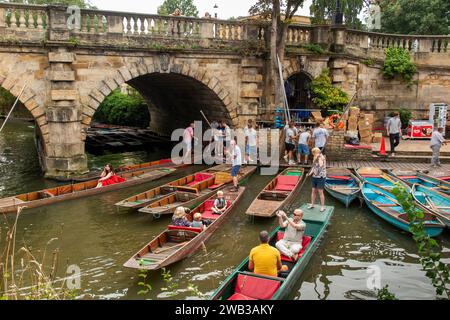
(108, 177)
(197, 223)
(179, 218)
(220, 204)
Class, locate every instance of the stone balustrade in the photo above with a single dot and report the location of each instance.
(123, 26)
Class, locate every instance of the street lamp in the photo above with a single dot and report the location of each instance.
(338, 16)
(215, 10)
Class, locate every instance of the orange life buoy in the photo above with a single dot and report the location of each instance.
(332, 119)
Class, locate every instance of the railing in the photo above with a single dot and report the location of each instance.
(36, 20)
(413, 43)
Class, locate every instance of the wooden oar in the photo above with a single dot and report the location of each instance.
(386, 196)
(430, 202)
(168, 248)
(346, 188)
(385, 176)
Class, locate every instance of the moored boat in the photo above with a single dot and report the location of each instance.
(384, 204)
(342, 184)
(378, 177)
(176, 243)
(78, 190)
(242, 284)
(413, 177)
(433, 201)
(277, 193)
(190, 195)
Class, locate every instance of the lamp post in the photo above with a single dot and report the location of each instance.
(338, 16)
(215, 10)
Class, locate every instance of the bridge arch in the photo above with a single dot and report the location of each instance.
(172, 91)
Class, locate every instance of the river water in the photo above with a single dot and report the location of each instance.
(92, 234)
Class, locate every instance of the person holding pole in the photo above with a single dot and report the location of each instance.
(234, 153)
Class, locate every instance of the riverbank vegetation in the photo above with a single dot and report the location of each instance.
(123, 109)
(24, 275)
(398, 64)
(325, 95)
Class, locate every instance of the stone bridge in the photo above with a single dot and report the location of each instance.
(183, 65)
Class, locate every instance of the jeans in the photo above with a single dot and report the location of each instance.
(394, 139)
(436, 151)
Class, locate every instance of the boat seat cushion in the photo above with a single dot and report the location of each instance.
(171, 227)
(240, 296)
(340, 177)
(207, 213)
(254, 287)
(286, 183)
(305, 243)
(444, 178)
(408, 177)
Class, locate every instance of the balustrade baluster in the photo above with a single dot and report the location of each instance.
(39, 20)
(30, 21)
(22, 19)
(13, 19)
(143, 22)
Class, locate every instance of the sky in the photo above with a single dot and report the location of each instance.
(227, 8)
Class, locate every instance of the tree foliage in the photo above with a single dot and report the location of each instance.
(187, 7)
(415, 16)
(85, 4)
(322, 11)
(122, 109)
(398, 63)
(325, 95)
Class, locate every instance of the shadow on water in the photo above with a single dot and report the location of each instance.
(93, 234)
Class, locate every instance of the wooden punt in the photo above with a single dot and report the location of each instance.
(342, 184)
(414, 177)
(191, 196)
(278, 193)
(243, 284)
(378, 177)
(176, 243)
(78, 190)
(431, 200)
(384, 204)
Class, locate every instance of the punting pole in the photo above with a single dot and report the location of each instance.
(206, 119)
(12, 109)
(286, 104)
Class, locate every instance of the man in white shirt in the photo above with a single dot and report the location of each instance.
(303, 146)
(291, 244)
(393, 130)
(320, 135)
(236, 161)
(291, 135)
(251, 144)
(437, 140)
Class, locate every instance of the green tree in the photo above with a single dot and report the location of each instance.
(280, 12)
(325, 95)
(187, 7)
(398, 63)
(122, 109)
(81, 3)
(322, 11)
(415, 16)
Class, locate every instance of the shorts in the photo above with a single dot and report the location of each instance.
(235, 170)
(303, 149)
(188, 146)
(250, 150)
(318, 183)
(289, 146)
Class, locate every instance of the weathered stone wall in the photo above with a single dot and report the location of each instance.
(336, 150)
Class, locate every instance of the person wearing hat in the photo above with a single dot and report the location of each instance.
(179, 218)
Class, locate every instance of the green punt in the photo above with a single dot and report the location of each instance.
(245, 285)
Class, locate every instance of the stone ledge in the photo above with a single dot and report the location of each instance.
(66, 57)
(58, 95)
(63, 114)
(62, 76)
(251, 93)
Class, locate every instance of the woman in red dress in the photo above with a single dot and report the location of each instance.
(108, 177)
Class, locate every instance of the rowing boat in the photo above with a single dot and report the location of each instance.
(78, 190)
(434, 201)
(342, 184)
(190, 195)
(384, 204)
(278, 193)
(176, 243)
(191, 186)
(245, 285)
(414, 177)
(378, 177)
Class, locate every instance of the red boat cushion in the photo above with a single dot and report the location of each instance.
(371, 175)
(408, 177)
(202, 176)
(255, 287)
(171, 227)
(340, 177)
(350, 146)
(240, 296)
(444, 178)
(305, 243)
(165, 161)
(207, 213)
(286, 183)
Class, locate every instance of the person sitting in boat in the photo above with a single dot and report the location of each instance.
(291, 244)
(220, 204)
(179, 218)
(265, 259)
(198, 223)
(109, 177)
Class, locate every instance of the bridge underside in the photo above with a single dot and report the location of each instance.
(175, 100)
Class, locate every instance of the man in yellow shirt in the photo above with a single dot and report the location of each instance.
(264, 259)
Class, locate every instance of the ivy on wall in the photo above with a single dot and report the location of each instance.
(398, 63)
